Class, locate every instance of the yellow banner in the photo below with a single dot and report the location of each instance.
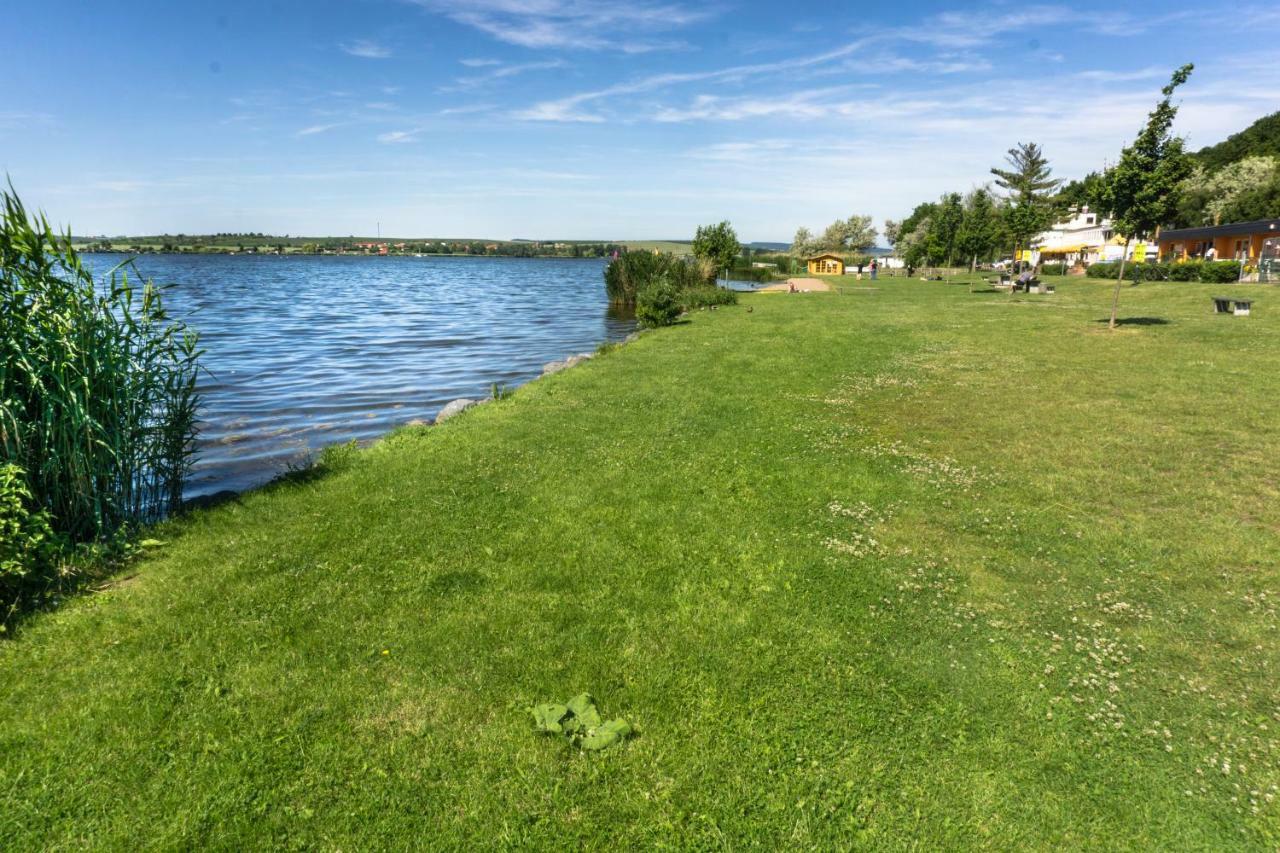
(1140, 253)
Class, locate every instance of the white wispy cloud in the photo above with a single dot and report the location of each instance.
(568, 108)
(976, 27)
(1105, 76)
(466, 109)
(399, 136)
(501, 71)
(366, 49)
(316, 128)
(616, 24)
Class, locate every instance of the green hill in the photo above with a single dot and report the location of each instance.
(1262, 138)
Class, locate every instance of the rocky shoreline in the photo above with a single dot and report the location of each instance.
(456, 407)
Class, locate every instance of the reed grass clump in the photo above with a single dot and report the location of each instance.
(98, 395)
(631, 273)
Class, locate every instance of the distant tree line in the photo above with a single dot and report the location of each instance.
(1155, 183)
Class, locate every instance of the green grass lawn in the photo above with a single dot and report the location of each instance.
(895, 567)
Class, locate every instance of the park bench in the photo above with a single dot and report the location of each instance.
(1231, 305)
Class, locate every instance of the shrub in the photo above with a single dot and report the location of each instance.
(1220, 272)
(630, 273)
(1147, 271)
(1056, 268)
(27, 543)
(704, 297)
(97, 386)
(1104, 269)
(657, 305)
(1185, 271)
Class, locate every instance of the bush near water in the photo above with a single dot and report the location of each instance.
(661, 285)
(97, 404)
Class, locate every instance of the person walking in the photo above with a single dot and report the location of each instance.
(859, 270)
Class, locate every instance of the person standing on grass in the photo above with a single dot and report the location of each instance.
(859, 270)
(875, 265)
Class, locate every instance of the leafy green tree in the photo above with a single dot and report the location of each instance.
(892, 231)
(803, 245)
(1230, 182)
(945, 229)
(1028, 184)
(1141, 190)
(979, 229)
(718, 244)
(913, 245)
(854, 234)
(1260, 202)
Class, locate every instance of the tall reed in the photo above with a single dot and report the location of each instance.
(98, 395)
(632, 272)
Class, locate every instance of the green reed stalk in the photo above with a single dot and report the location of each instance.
(98, 396)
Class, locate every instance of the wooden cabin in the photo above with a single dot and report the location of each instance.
(826, 265)
(1238, 241)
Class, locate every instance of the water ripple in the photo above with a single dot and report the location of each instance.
(308, 351)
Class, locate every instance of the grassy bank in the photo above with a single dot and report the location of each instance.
(903, 564)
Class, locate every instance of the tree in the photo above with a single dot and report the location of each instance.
(1141, 190)
(854, 234)
(717, 243)
(1261, 202)
(892, 231)
(1027, 183)
(945, 229)
(803, 245)
(979, 228)
(1078, 193)
(1233, 181)
(913, 245)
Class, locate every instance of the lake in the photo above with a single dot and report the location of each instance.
(313, 350)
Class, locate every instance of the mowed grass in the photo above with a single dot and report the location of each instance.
(895, 567)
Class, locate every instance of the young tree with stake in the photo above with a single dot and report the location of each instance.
(1141, 191)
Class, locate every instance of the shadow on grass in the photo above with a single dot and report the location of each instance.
(453, 583)
(1136, 321)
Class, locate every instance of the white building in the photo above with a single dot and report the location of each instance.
(1083, 238)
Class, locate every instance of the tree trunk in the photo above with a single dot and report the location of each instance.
(1016, 269)
(1115, 299)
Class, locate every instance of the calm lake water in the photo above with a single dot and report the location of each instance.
(308, 351)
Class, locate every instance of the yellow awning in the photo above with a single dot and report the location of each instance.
(1063, 250)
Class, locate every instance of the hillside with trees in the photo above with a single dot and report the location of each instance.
(1260, 139)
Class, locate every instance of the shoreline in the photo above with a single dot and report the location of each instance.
(785, 541)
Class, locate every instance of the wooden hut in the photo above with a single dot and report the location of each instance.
(826, 265)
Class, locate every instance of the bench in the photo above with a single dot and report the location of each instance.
(1231, 305)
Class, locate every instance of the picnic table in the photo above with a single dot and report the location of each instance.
(1232, 305)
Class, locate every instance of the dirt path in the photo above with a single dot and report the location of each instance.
(811, 285)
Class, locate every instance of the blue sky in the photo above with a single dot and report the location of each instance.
(589, 120)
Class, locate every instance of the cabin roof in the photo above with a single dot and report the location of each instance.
(825, 256)
(1232, 229)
